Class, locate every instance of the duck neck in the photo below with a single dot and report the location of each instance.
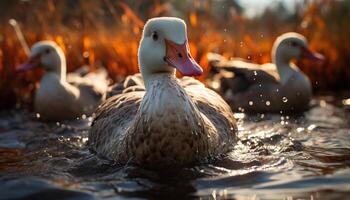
(283, 65)
(60, 70)
(149, 78)
(166, 103)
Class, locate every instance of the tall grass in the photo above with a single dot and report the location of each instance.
(106, 33)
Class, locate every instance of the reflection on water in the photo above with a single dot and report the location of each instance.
(277, 157)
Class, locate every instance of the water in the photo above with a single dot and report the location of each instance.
(277, 157)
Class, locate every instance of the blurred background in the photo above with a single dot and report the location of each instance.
(106, 33)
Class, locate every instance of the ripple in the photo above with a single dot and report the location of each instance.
(298, 158)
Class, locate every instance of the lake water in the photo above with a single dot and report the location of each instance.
(277, 157)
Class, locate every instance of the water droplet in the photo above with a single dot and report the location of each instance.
(251, 103)
(85, 54)
(37, 115)
(284, 99)
(261, 35)
(241, 44)
(85, 139)
(260, 85)
(239, 115)
(225, 30)
(240, 109)
(300, 129)
(268, 103)
(83, 116)
(277, 90)
(248, 57)
(255, 73)
(346, 101)
(311, 127)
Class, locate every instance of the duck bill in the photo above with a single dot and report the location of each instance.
(307, 53)
(179, 57)
(31, 63)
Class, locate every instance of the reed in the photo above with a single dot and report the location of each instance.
(106, 33)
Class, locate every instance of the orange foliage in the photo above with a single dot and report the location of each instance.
(114, 44)
(193, 19)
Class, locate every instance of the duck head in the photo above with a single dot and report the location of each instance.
(48, 56)
(164, 48)
(293, 46)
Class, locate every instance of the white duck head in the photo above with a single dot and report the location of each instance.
(164, 48)
(47, 55)
(290, 46)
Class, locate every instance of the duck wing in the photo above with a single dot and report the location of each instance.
(213, 107)
(95, 83)
(131, 83)
(251, 72)
(92, 86)
(113, 118)
(244, 73)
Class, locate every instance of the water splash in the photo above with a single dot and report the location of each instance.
(284, 99)
(268, 155)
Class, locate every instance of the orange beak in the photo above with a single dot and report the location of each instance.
(179, 57)
(31, 63)
(307, 53)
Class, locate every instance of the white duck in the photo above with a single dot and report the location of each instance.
(59, 97)
(272, 87)
(171, 122)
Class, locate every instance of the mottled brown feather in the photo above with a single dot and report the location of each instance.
(204, 130)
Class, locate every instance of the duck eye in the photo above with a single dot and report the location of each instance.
(47, 51)
(294, 44)
(155, 36)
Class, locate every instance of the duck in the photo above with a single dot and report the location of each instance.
(277, 87)
(63, 96)
(156, 120)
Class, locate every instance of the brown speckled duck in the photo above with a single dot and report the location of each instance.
(272, 87)
(61, 96)
(163, 121)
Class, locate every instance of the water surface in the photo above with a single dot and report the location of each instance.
(278, 156)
